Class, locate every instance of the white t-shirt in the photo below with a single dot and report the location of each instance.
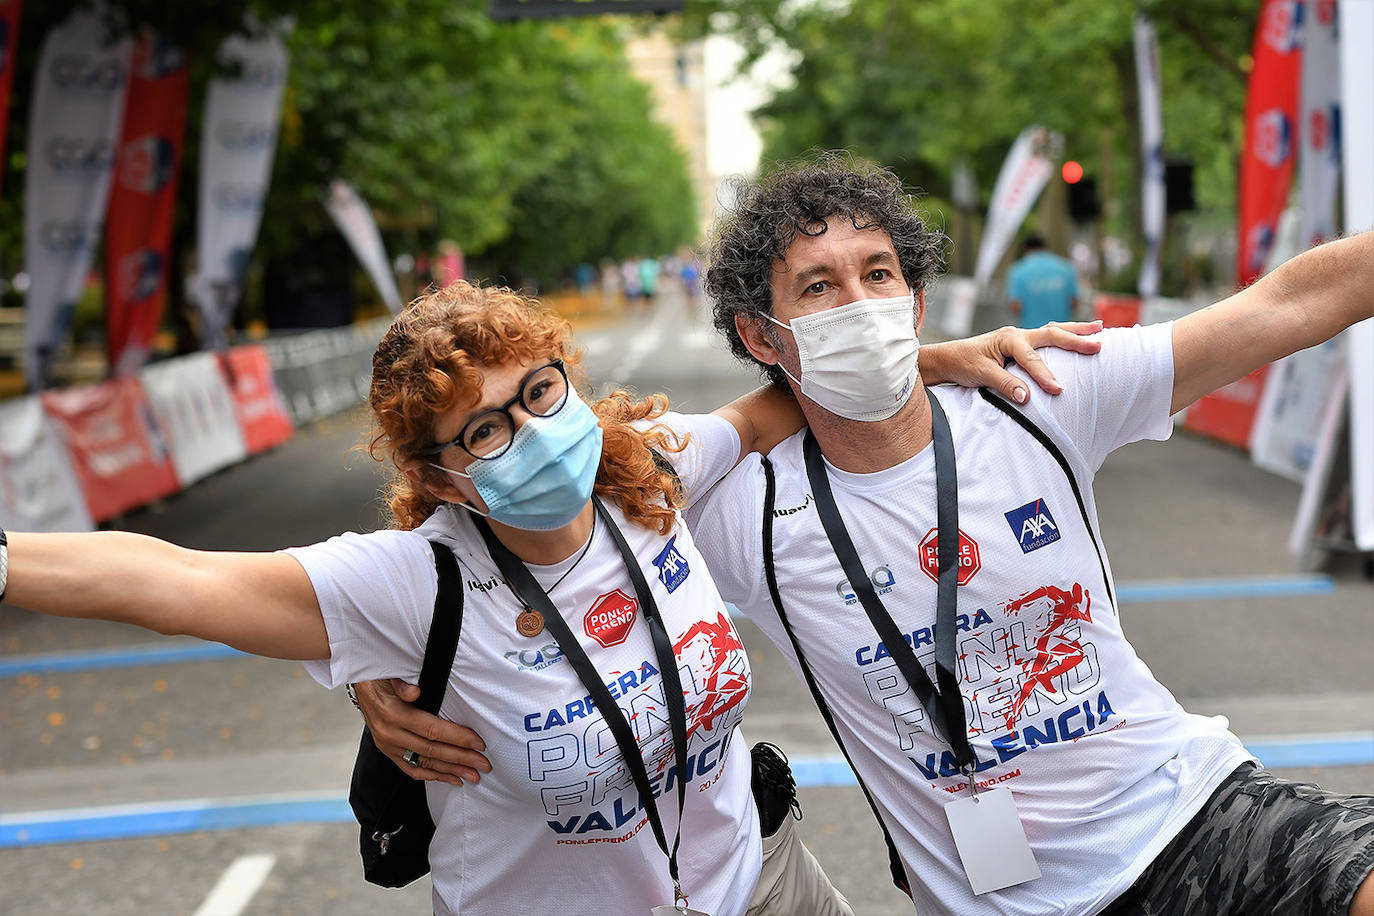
(1103, 763)
(557, 825)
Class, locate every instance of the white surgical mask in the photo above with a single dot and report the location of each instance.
(859, 360)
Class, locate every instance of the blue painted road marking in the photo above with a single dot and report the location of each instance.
(124, 821)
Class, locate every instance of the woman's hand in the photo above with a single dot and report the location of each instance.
(447, 752)
(978, 362)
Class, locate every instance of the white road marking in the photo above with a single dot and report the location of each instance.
(642, 345)
(237, 886)
(594, 347)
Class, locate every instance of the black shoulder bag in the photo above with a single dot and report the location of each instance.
(390, 806)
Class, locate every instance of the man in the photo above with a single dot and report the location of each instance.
(1121, 800)
(1041, 286)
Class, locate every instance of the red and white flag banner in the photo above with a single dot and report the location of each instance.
(1319, 157)
(117, 449)
(1025, 171)
(9, 42)
(138, 229)
(261, 412)
(1266, 176)
(78, 100)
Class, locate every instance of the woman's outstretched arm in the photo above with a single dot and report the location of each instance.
(261, 603)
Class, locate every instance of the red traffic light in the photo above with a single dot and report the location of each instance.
(1072, 172)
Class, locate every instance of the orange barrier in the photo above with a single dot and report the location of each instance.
(116, 447)
(1116, 311)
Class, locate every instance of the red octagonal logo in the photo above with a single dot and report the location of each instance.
(611, 618)
(969, 562)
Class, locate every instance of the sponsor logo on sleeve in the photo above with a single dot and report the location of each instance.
(1033, 526)
(672, 566)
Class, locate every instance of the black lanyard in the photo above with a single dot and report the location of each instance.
(945, 705)
(528, 590)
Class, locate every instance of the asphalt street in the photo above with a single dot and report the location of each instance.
(1290, 664)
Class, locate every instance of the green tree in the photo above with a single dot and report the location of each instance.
(620, 191)
(527, 139)
(922, 85)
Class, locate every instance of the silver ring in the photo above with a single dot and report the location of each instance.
(411, 758)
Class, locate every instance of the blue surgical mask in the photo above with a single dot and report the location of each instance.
(546, 476)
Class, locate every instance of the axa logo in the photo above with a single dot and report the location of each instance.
(672, 566)
(1033, 525)
(779, 513)
(535, 659)
(881, 577)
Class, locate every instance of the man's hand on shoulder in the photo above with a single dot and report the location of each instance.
(979, 362)
(447, 752)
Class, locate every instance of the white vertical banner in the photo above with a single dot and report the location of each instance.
(238, 142)
(78, 104)
(1152, 189)
(1027, 168)
(39, 490)
(1288, 421)
(1357, 155)
(1319, 152)
(354, 219)
(193, 406)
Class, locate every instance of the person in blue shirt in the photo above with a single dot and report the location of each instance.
(1042, 286)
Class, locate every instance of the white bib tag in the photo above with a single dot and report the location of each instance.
(674, 911)
(991, 841)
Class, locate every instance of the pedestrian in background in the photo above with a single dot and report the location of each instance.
(1041, 287)
(630, 283)
(648, 278)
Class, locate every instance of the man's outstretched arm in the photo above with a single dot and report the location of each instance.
(448, 752)
(1301, 303)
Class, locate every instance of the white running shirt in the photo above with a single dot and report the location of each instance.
(557, 825)
(1103, 763)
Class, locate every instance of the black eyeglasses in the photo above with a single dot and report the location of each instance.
(487, 435)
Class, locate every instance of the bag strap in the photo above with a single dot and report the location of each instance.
(899, 877)
(442, 644)
(1029, 426)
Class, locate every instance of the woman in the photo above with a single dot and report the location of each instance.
(498, 459)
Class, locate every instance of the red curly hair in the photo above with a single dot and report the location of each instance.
(431, 361)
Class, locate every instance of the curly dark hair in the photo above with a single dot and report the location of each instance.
(798, 197)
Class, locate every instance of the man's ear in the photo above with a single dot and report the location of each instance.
(920, 309)
(752, 332)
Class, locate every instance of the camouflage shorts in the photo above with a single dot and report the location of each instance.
(1261, 844)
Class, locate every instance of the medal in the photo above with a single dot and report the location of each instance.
(529, 622)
